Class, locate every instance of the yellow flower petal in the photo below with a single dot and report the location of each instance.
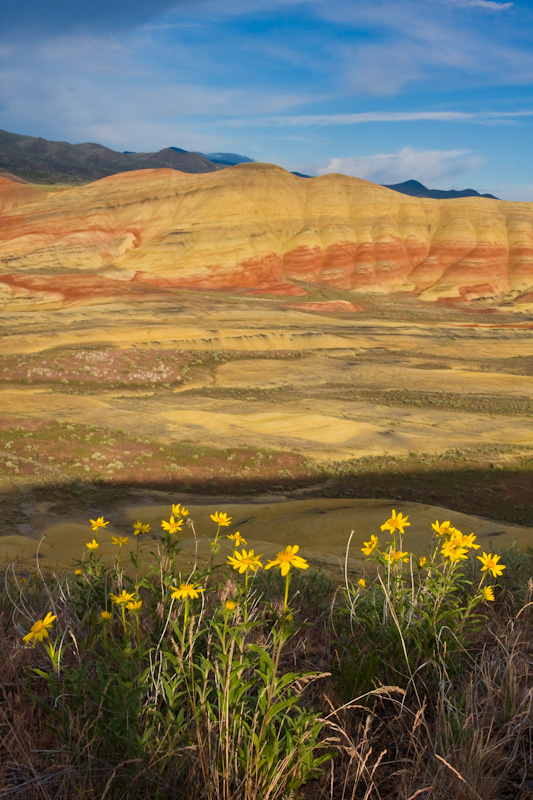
(221, 518)
(287, 559)
(396, 522)
(244, 561)
(120, 540)
(173, 525)
(490, 563)
(98, 523)
(488, 594)
(92, 545)
(186, 590)
(39, 629)
(123, 598)
(370, 546)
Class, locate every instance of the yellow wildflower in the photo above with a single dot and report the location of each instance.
(140, 527)
(237, 538)
(186, 590)
(98, 523)
(134, 605)
(173, 525)
(488, 594)
(396, 523)
(179, 511)
(230, 605)
(120, 540)
(490, 563)
(454, 551)
(221, 518)
(370, 546)
(443, 529)
(468, 541)
(245, 561)
(105, 616)
(361, 582)
(39, 629)
(92, 545)
(287, 559)
(396, 555)
(78, 572)
(122, 599)
(422, 562)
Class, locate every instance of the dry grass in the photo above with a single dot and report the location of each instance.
(467, 736)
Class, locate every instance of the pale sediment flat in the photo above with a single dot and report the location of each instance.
(326, 430)
(253, 326)
(322, 369)
(321, 527)
(307, 404)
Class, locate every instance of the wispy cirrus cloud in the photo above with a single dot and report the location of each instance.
(436, 43)
(284, 81)
(110, 90)
(364, 117)
(488, 5)
(426, 166)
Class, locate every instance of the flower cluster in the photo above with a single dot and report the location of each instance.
(452, 544)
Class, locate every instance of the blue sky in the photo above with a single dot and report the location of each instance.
(436, 90)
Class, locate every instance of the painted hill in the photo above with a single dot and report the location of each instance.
(258, 228)
(42, 161)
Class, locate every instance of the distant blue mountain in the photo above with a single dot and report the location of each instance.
(228, 159)
(416, 189)
(43, 161)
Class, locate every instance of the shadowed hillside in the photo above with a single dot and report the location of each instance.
(40, 160)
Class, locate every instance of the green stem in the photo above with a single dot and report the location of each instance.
(287, 579)
(185, 614)
(224, 632)
(246, 597)
(123, 617)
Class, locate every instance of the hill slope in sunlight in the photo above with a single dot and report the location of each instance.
(259, 228)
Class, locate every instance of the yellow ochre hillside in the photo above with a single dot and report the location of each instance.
(257, 228)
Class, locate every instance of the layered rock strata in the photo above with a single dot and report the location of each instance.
(258, 228)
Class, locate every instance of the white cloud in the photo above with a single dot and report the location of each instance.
(321, 120)
(426, 166)
(490, 5)
(102, 89)
(409, 42)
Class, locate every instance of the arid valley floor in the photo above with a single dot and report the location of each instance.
(274, 414)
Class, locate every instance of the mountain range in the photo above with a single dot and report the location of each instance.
(416, 189)
(41, 161)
